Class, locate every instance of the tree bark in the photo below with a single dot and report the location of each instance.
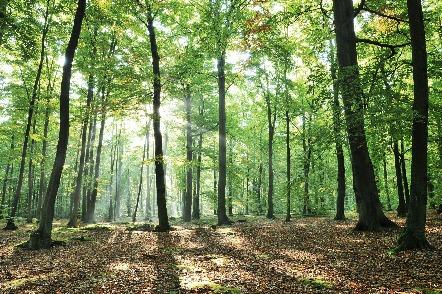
(30, 177)
(6, 179)
(404, 174)
(41, 238)
(187, 211)
(414, 235)
(401, 209)
(387, 190)
(196, 200)
(222, 149)
(371, 216)
(159, 160)
(340, 200)
(271, 119)
(140, 183)
(10, 224)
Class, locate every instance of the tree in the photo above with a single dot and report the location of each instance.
(41, 238)
(413, 236)
(371, 216)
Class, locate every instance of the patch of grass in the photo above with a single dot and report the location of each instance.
(102, 228)
(82, 238)
(317, 283)
(16, 283)
(428, 291)
(145, 227)
(216, 288)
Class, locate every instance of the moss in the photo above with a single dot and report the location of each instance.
(216, 288)
(317, 283)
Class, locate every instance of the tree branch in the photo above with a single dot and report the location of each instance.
(382, 45)
(378, 13)
(359, 8)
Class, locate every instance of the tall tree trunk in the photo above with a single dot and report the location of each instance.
(41, 238)
(10, 224)
(387, 190)
(371, 216)
(247, 187)
(271, 119)
(148, 213)
(215, 190)
(91, 166)
(111, 195)
(196, 200)
(187, 212)
(91, 211)
(8, 173)
(118, 169)
(30, 177)
(414, 234)
(258, 194)
(404, 174)
(401, 209)
(306, 164)
(159, 160)
(42, 183)
(340, 200)
(222, 137)
(85, 170)
(140, 183)
(73, 218)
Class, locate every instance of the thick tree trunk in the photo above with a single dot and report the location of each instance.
(401, 209)
(222, 149)
(371, 216)
(414, 234)
(41, 238)
(187, 212)
(404, 174)
(159, 161)
(387, 190)
(10, 224)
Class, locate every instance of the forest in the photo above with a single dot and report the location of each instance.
(220, 146)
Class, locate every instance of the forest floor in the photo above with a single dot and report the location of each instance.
(307, 255)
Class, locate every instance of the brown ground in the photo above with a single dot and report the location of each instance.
(310, 255)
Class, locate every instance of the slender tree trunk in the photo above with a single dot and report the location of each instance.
(187, 213)
(91, 166)
(41, 238)
(11, 225)
(307, 159)
(414, 234)
(148, 213)
(159, 161)
(401, 209)
(91, 212)
(42, 183)
(387, 190)
(140, 184)
(111, 195)
(258, 194)
(8, 173)
(271, 119)
(30, 177)
(196, 200)
(222, 137)
(340, 200)
(404, 175)
(118, 169)
(215, 190)
(73, 218)
(247, 187)
(371, 216)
